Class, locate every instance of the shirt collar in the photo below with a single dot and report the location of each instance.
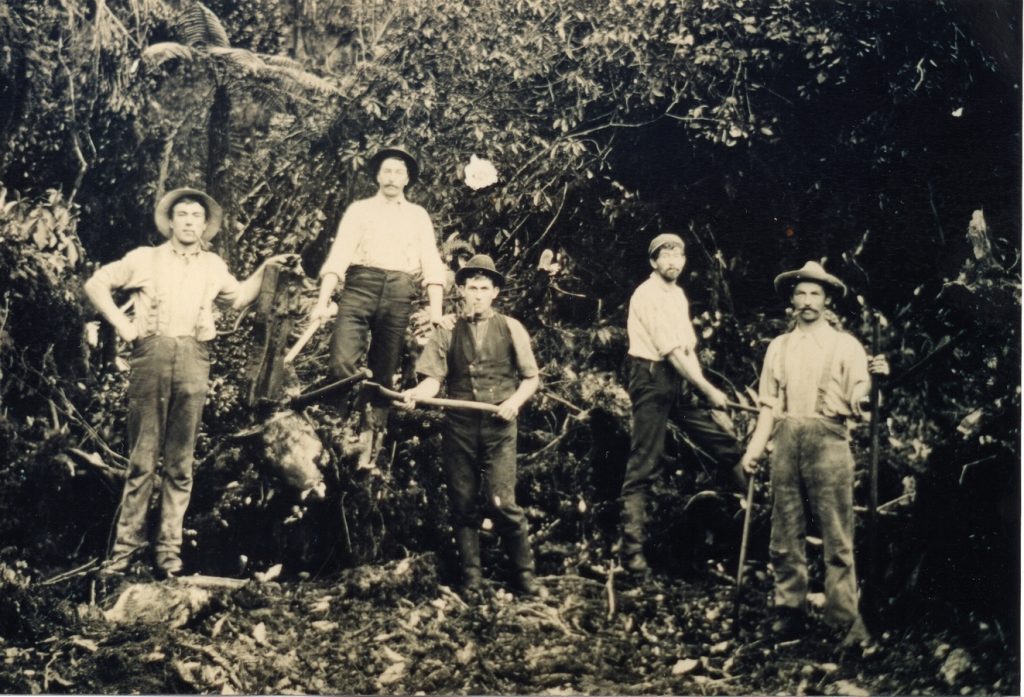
(384, 201)
(658, 282)
(819, 332)
(481, 318)
(184, 255)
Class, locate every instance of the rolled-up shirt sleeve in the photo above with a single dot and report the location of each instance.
(432, 267)
(345, 241)
(433, 361)
(855, 364)
(526, 363)
(768, 385)
(127, 272)
(228, 286)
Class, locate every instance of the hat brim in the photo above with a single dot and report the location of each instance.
(787, 280)
(410, 162)
(162, 213)
(469, 271)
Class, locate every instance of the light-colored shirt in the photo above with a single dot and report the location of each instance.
(394, 235)
(433, 362)
(793, 367)
(172, 293)
(659, 320)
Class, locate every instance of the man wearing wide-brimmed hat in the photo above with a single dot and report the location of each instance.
(173, 287)
(486, 357)
(665, 381)
(384, 252)
(812, 384)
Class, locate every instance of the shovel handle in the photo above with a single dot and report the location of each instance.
(743, 544)
(307, 397)
(438, 402)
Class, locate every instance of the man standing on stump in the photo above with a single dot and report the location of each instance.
(665, 378)
(485, 358)
(384, 252)
(813, 382)
(174, 287)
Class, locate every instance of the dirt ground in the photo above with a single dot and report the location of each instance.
(396, 629)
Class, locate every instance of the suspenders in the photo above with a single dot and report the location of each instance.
(823, 379)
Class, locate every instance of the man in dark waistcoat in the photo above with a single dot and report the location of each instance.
(485, 357)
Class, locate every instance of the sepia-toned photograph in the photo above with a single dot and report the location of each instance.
(510, 347)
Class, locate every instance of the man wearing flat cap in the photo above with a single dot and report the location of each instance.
(385, 251)
(486, 358)
(665, 379)
(174, 288)
(813, 382)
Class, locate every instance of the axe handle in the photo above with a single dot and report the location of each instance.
(438, 402)
(743, 407)
(303, 340)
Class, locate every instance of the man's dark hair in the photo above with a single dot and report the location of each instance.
(189, 198)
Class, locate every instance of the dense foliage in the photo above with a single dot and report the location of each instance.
(883, 137)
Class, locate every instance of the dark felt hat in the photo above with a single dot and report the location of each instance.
(401, 152)
(480, 264)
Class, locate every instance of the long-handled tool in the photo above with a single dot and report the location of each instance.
(306, 398)
(437, 401)
(872, 579)
(743, 548)
(308, 334)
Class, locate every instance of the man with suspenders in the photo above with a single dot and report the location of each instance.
(174, 287)
(813, 381)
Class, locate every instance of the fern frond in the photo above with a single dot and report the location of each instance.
(294, 77)
(240, 57)
(159, 53)
(202, 28)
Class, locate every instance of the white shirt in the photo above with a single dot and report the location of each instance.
(394, 235)
(659, 320)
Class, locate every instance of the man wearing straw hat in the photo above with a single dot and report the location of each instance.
(384, 252)
(813, 382)
(173, 287)
(485, 358)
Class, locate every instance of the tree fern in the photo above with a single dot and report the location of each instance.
(202, 28)
(157, 54)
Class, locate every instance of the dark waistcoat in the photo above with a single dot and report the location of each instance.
(485, 373)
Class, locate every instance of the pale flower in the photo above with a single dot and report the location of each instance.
(480, 173)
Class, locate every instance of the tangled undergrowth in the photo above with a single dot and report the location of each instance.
(397, 628)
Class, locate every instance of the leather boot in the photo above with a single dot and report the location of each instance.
(634, 519)
(517, 547)
(468, 541)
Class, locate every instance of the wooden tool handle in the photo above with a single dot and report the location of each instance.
(439, 402)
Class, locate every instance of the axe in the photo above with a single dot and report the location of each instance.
(308, 334)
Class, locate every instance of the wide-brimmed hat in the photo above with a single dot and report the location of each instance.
(665, 238)
(811, 271)
(401, 152)
(479, 264)
(162, 214)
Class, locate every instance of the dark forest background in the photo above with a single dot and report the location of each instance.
(880, 137)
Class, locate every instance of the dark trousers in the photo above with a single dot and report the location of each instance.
(479, 453)
(372, 318)
(166, 393)
(656, 391)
